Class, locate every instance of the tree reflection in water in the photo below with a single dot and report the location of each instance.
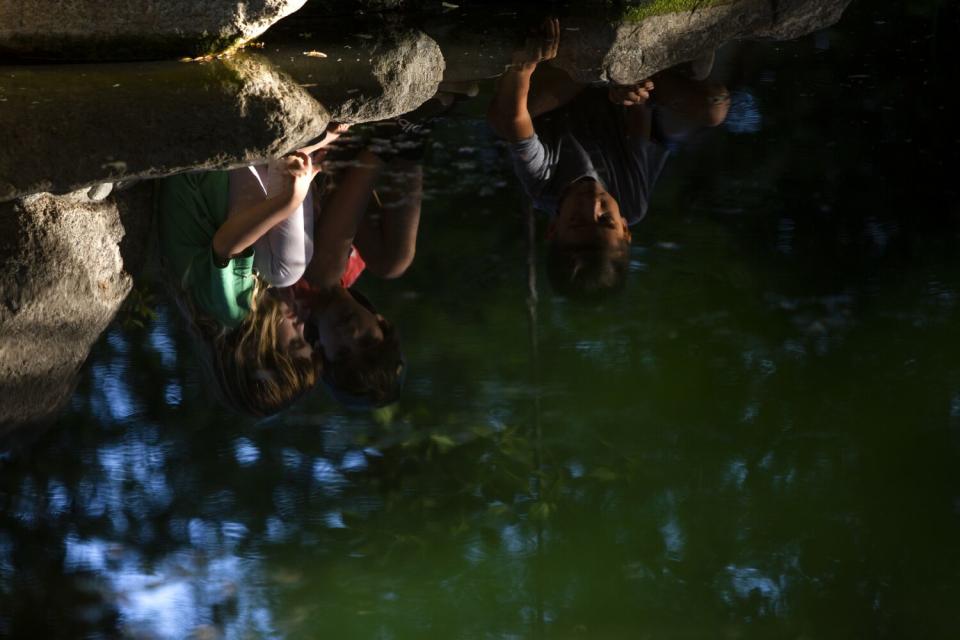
(760, 431)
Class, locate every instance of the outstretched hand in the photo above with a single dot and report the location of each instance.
(302, 169)
(540, 46)
(318, 151)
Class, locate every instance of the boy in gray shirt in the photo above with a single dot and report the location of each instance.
(589, 157)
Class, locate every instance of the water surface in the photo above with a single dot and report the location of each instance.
(758, 438)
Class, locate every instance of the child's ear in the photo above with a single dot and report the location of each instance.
(552, 230)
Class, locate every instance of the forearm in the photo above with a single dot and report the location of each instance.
(508, 113)
(243, 228)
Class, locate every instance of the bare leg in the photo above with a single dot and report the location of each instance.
(339, 219)
(387, 237)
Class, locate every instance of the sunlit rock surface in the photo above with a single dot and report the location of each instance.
(72, 30)
(364, 77)
(62, 280)
(67, 127)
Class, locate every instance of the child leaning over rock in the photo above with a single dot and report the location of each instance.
(229, 240)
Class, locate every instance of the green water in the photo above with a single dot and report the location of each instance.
(758, 439)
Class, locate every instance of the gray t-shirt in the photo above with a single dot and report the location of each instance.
(587, 138)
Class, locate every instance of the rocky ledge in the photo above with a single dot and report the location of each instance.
(62, 279)
(72, 30)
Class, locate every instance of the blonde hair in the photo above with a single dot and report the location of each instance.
(250, 372)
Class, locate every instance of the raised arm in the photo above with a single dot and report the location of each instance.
(243, 228)
(509, 115)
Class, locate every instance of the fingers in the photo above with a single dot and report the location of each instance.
(299, 164)
(545, 42)
(554, 39)
(631, 95)
(301, 160)
(318, 157)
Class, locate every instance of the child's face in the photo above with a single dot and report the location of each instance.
(589, 216)
(346, 324)
(290, 334)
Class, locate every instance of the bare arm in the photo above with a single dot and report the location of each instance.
(509, 114)
(243, 228)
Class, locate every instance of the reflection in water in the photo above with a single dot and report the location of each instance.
(590, 157)
(754, 439)
(265, 263)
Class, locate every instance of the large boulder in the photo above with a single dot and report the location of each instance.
(69, 127)
(792, 18)
(62, 280)
(603, 44)
(73, 30)
(638, 45)
(364, 77)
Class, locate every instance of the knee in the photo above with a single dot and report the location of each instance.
(718, 105)
(391, 268)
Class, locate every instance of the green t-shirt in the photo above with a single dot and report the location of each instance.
(192, 206)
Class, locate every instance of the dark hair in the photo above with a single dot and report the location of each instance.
(587, 272)
(369, 375)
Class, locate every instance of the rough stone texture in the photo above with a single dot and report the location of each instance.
(69, 127)
(61, 282)
(627, 52)
(134, 29)
(796, 17)
(365, 77)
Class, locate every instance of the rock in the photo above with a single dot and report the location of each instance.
(628, 50)
(599, 42)
(71, 30)
(364, 77)
(62, 278)
(69, 127)
(99, 191)
(793, 18)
